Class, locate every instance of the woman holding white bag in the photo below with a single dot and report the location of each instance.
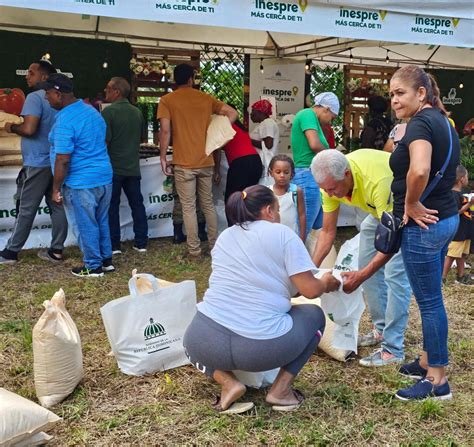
(246, 321)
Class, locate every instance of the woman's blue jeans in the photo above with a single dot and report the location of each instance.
(312, 198)
(423, 253)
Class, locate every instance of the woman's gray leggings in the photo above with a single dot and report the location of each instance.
(211, 346)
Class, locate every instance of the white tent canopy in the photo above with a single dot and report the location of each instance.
(266, 37)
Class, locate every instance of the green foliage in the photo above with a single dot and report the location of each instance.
(467, 155)
(429, 409)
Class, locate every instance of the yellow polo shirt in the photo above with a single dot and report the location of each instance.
(372, 181)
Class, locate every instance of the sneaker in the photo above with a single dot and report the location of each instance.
(413, 370)
(84, 272)
(49, 255)
(116, 252)
(380, 357)
(107, 266)
(140, 250)
(371, 339)
(424, 389)
(8, 257)
(464, 280)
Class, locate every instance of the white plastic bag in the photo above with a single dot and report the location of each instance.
(57, 352)
(342, 308)
(146, 330)
(21, 419)
(219, 133)
(257, 379)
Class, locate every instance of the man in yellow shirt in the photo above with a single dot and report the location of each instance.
(363, 179)
(185, 115)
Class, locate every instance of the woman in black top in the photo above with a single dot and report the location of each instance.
(430, 224)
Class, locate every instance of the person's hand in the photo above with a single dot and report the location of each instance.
(166, 167)
(351, 281)
(57, 197)
(216, 177)
(8, 127)
(330, 282)
(421, 215)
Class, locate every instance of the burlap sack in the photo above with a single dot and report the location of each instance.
(21, 419)
(11, 160)
(57, 353)
(9, 118)
(219, 133)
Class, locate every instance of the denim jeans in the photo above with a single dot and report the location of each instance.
(87, 211)
(312, 198)
(387, 292)
(423, 254)
(131, 188)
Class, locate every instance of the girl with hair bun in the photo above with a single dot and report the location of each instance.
(246, 320)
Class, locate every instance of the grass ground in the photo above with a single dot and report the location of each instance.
(346, 404)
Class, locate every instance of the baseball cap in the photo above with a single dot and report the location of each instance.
(329, 100)
(57, 81)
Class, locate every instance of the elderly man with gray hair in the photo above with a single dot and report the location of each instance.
(126, 129)
(363, 179)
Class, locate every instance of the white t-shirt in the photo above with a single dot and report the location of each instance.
(250, 287)
(267, 128)
(288, 209)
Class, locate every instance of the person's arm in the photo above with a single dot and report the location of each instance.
(165, 137)
(256, 143)
(314, 141)
(389, 145)
(26, 129)
(61, 168)
(310, 287)
(326, 237)
(352, 280)
(229, 112)
(417, 180)
(217, 166)
(301, 213)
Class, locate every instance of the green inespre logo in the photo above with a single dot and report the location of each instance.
(434, 25)
(289, 11)
(359, 18)
(153, 330)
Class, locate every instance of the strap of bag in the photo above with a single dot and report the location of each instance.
(294, 193)
(439, 175)
(132, 284)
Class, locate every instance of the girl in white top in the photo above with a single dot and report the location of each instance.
(289, 195)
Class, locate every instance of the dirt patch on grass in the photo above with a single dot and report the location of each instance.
(346, 404)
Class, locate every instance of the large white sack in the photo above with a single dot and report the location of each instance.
(57, 352)
(21, 419)
(219, 133)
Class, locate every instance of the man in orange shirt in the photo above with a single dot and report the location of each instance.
(185, 114)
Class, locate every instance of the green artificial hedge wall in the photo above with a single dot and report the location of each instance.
(81, 57)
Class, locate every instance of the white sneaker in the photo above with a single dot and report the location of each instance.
(116, 252)
(140, 250)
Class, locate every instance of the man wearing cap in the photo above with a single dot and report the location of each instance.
(307, 139)
(266, 135)
(363, 179)
(35, 179)
(186, 114)
(82, 174)
(126, 129)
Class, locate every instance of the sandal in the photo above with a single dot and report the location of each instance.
(235, 408)
(291, 407)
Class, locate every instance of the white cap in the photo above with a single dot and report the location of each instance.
(329, 100)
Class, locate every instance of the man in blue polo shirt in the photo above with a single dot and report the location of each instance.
(35, 179)
(82, 174)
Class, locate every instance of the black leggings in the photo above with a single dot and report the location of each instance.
(244, 171)
(211, 346)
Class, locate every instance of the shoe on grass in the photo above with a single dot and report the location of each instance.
(380, 357)
(8, 257)
(371, 339)
(424, 389)
(84, 272)
(6, 261)
(465, 280)
(116, 252)
(107, 266)
(49, 255)
(413, 370)
(140, 249)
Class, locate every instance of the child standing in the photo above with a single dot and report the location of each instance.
(461, 244)
(290, 196)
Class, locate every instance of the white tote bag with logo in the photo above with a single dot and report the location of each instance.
(146, 330)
